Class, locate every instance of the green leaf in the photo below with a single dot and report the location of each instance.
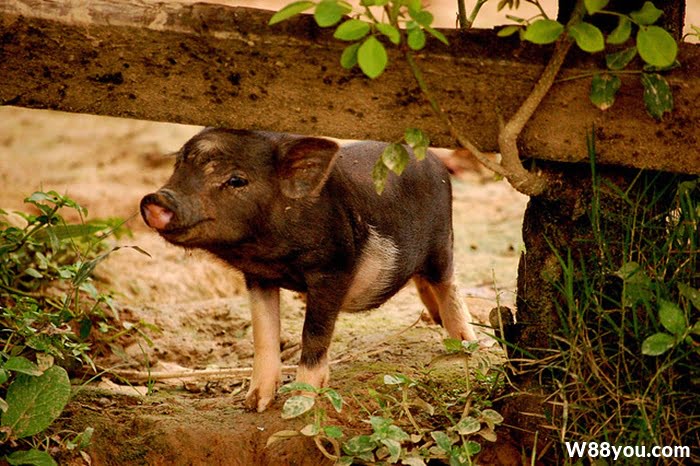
(416, 38)
(63, 232)
(22, 365)
(414, 5)
(470, 346)
(394, 448)
(491, 417)
(437, 34)
(335, 398)
(543, 31)
(603, 90)
(310, 430)
(621, 33)
(32, 457)
(637, 284)
(468, 425)
(333, 431)
(86, 268)
(587, 37)
(396, 433)
(594, 6)
(516, 19)
(83, 439)
(472, 448)
(348, 58)
(657, 95)
(32, 272)
(379, 175)
(416, 138)
(508, 31)
(345, 461)
(656, 46)
(672, 318)
(297, 405)
(35, 402)
(690, 293)
(488, 434)
(422, 17)
(379, 423)
(358, 445)
(396, 379)
(297, 386)
(390, 31)
(290, 10)
(656, 69)
(4, 376)
(372, 57)
(453, 345)
(619, 60)
(352, 29)
(281, 435)
(420, 152)
(648, 14)
(658, 344)
(443, 440)
(396, 158)
(329, 12)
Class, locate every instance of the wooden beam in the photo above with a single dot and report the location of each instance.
(209, 64)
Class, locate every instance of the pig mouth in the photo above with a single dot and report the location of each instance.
(182, 234)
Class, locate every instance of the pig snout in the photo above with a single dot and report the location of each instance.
(154, 213)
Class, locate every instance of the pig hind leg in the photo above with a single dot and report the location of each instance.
(439, 294)
(425, 291)
(453, 311)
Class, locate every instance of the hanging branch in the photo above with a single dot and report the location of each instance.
(511, 167)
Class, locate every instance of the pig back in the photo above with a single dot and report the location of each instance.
(414, 211)
(423, 188)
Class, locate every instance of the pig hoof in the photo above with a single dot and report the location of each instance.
(317, 376)
(255, 402)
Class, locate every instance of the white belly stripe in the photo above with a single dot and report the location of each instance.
(374, 273)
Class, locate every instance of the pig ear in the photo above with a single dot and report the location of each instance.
(304, 165)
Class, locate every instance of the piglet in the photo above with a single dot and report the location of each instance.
(302, 213)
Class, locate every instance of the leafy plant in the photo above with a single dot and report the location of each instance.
(656, 47)
(403, 22)
(407, 415)
(383, 444)
(48, 309)
(675, 321)
(300, 404)
(628, 317)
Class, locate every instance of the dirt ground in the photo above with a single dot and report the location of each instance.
(201, 311)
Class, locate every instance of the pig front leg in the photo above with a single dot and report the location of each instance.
(267, 366)
(319, 323)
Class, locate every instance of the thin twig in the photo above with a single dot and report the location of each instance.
(463, 141)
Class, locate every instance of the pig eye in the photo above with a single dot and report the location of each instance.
(235, 182)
